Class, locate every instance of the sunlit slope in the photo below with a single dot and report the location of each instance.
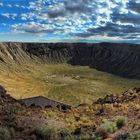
(24, 75)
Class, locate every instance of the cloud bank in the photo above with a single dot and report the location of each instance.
(79, 19)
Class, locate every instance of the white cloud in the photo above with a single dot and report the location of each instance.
(1, 5)
(116, 18)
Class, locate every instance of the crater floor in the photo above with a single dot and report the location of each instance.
(26, 74)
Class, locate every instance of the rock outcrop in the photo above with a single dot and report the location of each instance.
(119, 59)
(124, 97)
(5, 97)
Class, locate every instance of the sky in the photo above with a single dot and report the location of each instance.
(70, 21)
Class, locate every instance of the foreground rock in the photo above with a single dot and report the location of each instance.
(5, 98)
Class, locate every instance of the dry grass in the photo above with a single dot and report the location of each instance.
(56, 81)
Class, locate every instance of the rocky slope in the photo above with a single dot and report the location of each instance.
(119, 59)
(18, 122)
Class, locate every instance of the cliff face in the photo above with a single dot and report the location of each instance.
(119, 59)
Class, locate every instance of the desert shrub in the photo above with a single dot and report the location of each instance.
(66, 135)
(93, 127)
(128, 136)
(77, 131)
(85, 137)
(4, 134)
(109, 126)
(97, 138)
(137, 136)
(121, 121)
(47, 133)
(12, 108)
(101, 133)
(134, 136)
(105, 128)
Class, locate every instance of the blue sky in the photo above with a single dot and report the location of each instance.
(70, 20)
